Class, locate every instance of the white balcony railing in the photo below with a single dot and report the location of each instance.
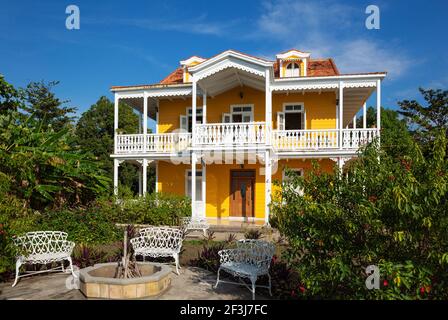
(162, 143)
(222, 135)
(292, 140)
(304, 139)
(232, 134)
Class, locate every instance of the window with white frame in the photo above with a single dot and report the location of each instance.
(186, 122)
(242, 113)
(198, 184)
(289, 174)
(292, 70)
(293, 117)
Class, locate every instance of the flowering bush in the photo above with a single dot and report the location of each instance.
(387, 211)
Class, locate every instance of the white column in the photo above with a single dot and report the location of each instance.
(337, 110)
(145, 121)
(116, 165)
(115, 121)
(364, 116)
(157, 116)
(341, 110)
(268, 105)
(145, 176)
(267, 184)
(268, 98)
(204, 107)
(193, 110)
(204, 187)
(354, 121)
(193, 185)
(378, 105)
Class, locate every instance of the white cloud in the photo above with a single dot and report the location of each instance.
(330, 29)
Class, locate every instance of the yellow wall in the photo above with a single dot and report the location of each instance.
(320, 114)
(169, 111)
(320, 108)
(221, 103)
(171, 179)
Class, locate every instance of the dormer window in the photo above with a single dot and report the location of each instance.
(292, 70)
(293, 63)
(192, 61)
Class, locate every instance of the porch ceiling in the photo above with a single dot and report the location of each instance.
(354, 99)
(137, 104)
(230, 78)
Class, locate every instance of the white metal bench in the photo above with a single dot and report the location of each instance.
(42, 247)
(190, 223)
(158, 242)
(250, 259)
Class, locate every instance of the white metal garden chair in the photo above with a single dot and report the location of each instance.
(158, 242)
(250, 259)
(42, 247)
(194, 223)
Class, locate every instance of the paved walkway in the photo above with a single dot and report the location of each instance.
(191, 284)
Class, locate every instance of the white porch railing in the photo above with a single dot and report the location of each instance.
(232, 134)
(224, 135)
(291, 140)
(163, 143)
(304, 139)
(355, 138)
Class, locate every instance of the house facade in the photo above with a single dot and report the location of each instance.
(228, 126)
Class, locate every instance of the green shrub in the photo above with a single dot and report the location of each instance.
(154, 209)
(385, 211)
(84, 225)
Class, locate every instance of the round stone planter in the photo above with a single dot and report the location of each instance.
(99, 282)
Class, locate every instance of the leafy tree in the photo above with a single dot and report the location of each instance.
(95, 132)
(425, 121)
(9, 96)
(41, 101)
(392, 213)
(43, 167)
(395, 136)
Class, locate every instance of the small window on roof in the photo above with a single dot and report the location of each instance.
(292, 69)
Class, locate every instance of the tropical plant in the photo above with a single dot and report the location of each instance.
(44, 167)
(386, 211)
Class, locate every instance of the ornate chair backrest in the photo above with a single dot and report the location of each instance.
(163, 237)
(258, 252)
(41, 242)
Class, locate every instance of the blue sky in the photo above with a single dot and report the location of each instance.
(139, 42)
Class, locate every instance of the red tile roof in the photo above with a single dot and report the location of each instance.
(177, 76)
(316, 68)
(322, 67)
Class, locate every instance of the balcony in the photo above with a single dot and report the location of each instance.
(316, 140)
(232, 134)
(152, 143)
(244, 135)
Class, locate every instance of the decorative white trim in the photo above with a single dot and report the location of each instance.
(191, 60)
(230, 63)
(155, 93)
(228, 55)
(290, 53)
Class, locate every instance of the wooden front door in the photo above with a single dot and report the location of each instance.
(242, 190)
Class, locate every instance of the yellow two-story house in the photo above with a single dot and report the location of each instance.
(229, 125)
